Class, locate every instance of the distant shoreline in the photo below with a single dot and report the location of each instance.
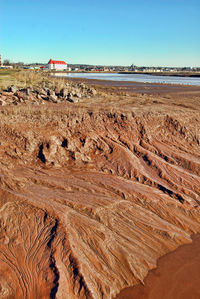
(197, 75)
(170, 74)
(121, 79)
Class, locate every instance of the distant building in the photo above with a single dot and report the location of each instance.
(0, 60)
(57, 65)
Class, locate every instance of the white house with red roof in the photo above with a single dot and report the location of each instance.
(57, 65)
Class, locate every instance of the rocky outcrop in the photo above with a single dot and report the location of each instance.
(71, 93)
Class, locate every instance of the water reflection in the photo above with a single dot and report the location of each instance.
(134, 78)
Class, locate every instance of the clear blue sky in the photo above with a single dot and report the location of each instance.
(112, 32)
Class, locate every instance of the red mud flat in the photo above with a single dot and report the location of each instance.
(140, 87)
(177, 276)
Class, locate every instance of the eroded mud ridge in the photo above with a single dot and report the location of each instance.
(90, 202)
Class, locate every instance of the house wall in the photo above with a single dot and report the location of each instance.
(57, 66)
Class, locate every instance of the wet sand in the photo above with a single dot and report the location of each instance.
(177, 276)
(138, 87)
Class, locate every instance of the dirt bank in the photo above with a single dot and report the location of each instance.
(94, 192)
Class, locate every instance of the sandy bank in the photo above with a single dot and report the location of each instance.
(177, 276)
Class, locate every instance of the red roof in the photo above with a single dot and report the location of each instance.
(56, 62)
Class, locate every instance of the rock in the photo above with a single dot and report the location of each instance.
(2, 102)
(51, 92)
(31, 98)
(69, 94)
(82, 85)
(78, 95)
(21, 96)
(14, 98)
(94, 92)
(27, 91)
(53, 98)
(12, 88)
(6, 93)
(69, 100)
(39, 97)
(63, 92)
(44, 97)
(41, 91)
(72, 100)
(46, 89)
(73, 92)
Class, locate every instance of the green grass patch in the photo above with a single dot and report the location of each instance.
(7, 78)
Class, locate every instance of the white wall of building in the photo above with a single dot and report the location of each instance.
(57, 66)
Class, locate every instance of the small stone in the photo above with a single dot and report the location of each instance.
(78, 95)
(12, 88)
(52, 92)
(14, 98)
(41, 91)
(39, 97)
(6, 93)
(69, 100)
(94, 92)
(27, 91)
(44, 97)
(63, 92)
(2, 102)
(82, 85)
(21, 96)
(53, 98)
(72, 100)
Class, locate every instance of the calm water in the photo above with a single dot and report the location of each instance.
(135, 78)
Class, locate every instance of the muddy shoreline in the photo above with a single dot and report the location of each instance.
(197, 75)
(139, 87)
(177, 276)
(164, 74)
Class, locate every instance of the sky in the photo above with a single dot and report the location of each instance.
(101, 32)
